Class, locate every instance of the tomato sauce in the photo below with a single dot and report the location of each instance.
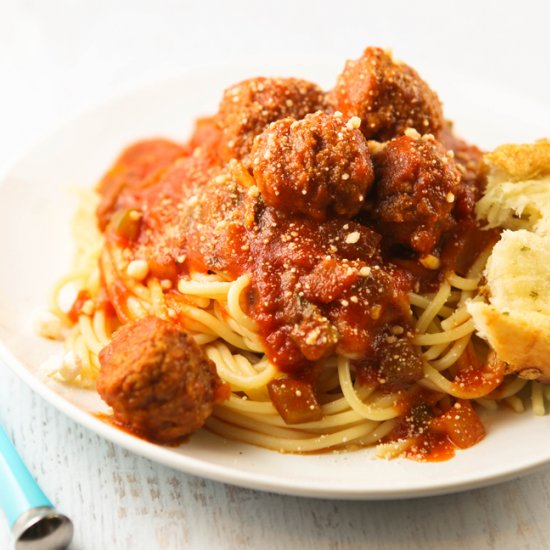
(317, 287)
(435, 426)
(76, 309)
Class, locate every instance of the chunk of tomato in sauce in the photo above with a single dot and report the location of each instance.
(461, 424)
(294, 400)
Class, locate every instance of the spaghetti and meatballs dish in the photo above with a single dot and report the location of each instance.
(313, 270)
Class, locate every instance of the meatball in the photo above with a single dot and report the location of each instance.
(248, 107)
(135, 166)
(416, 185)
(317, 166)
(388, 96)
(157, 380)
(469, 159)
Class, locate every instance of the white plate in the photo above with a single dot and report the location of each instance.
(36, 248)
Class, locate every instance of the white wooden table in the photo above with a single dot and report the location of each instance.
(61, 56)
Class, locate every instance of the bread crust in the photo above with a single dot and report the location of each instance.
(517, 329)
(520, 162)
(517, 340)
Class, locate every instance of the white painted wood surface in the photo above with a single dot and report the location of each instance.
(61, 56)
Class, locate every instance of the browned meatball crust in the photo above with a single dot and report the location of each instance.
(388, 96)
(469, 160)
(318, 166)
(248, 107)
(416, 185)
(157, 380)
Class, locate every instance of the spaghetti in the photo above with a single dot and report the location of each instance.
(353, 415)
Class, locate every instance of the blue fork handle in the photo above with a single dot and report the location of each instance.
(19, 492)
